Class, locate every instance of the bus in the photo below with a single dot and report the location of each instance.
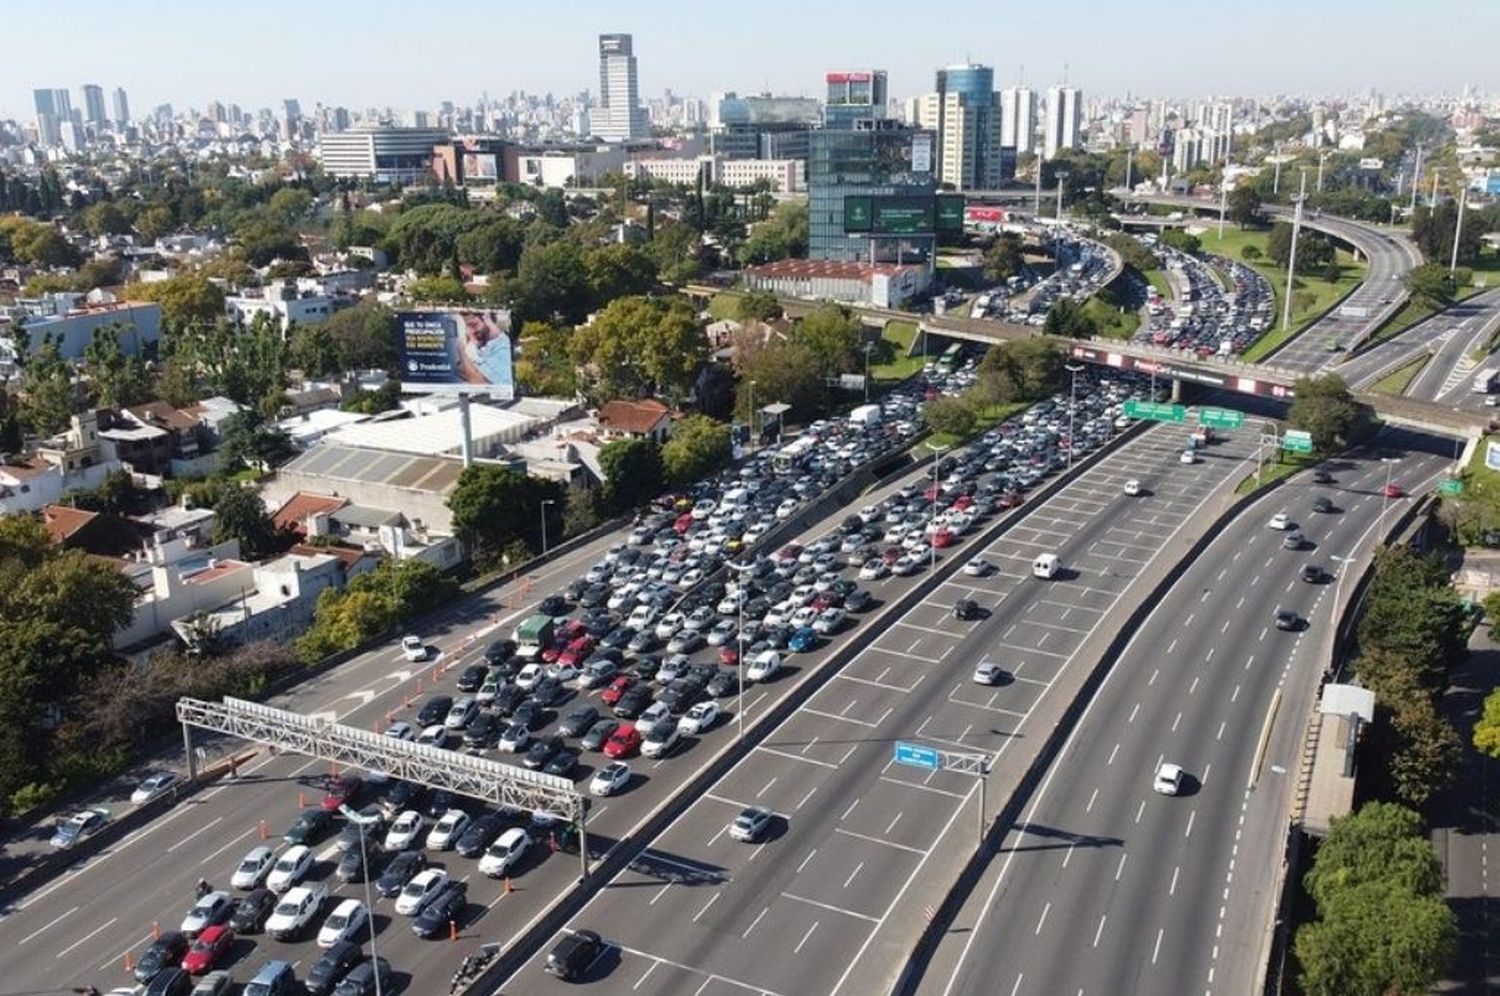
(1484, 381)
(948, 362)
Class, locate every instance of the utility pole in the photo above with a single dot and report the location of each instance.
(1036, 207)
(1223, 198)
(1129, 156)
(1458, 227)
(1416, 178)
(1435, 174)
(1322, 158)
(1291, 263)
(1276, 183)
(1060, 178)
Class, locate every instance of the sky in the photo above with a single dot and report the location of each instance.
(414, 55)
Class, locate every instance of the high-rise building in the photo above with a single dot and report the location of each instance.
(53, 111)
(854, 96)
(619, 116)
(380, 153)
(93, 105)
(1064, 120)
(870, 193)
(122, 108)
(762, 127)
(1018, 118)
(965, 114)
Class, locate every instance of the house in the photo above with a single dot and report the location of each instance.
(75, 460)
(301, 511)
(372, 530)
(354, 560)
(274, 601)
(175, 437)
(644, 418)
(99, 533)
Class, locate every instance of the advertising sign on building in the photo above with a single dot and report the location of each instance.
(921, 153)
(481, 166)
(456, 352)
(848, 77)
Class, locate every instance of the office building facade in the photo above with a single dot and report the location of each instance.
(761, 127)
(619, 116)
(380, 153)
(965, 114)
(122, 108)
(1018, 119)
(848, 171)
(93, 105)
(854, 96)
(1064, 120)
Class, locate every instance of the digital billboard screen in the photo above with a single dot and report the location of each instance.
(950, 213)
(902, 216)
(858, 215)
(455, 352)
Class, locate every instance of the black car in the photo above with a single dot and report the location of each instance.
(562, 763)
(250, 913)
(334, 964)
(549, 691)
(401, 796)
(472, 677)
(166, 951)
(357, 865)
(541, 751)
(348, 838)
(434, 710)
(499, 651)
(578, 722)
(505, 670)
(1288, 620)
(1313, 574)
(402, 869)
(1322, 477)
(479, 835)
(645, 668)
(438, 803)
(725, 682)
(361, 979)
(597, 623)
(444, 908)
(529, 714)
(1323, 503)
(617, 638)
(575, 589)
(310, 826)
(508, 700)
(966, 609)
(598, 733)
(680, 695)
(170, 981)
(572, 955)
(553, 605)
(858, 600)
(484, 730)
(633, 702)
(594, 596)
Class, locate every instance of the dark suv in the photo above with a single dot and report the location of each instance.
(573, 955)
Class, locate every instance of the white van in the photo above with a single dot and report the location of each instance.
(1045, 566)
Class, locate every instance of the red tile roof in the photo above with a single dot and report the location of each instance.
(302, 506)
(636, 417)
(162, 415)
(62, 522)
(806, 269)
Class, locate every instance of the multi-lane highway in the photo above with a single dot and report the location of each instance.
(1452, 338)
(832, 900)
(1106, 886)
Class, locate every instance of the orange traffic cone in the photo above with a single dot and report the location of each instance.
(452, 930)
(508, 887)
(155, 931)
(301, 800)
(129, 962)
(265, 831)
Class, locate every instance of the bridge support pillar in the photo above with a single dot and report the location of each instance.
(1176, 390)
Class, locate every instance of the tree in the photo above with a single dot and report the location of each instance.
(633, 473)
(1423, 749)
(698, 447)
(1324, 407)
(115, 379)
(551, 282)
(185, 298)
(154, 222)
(1070, 318)
(1181, 240)
(1432, 231)
(833, 333)
(290, 204)
(246, 438)
(784, 372)
(1314, 250)
(616, 271)
(953, 416)
(1250, 253)
(105, 218)
(1019, 370)
(315, 351)
(43, 245)
(1432, 285)
(1003, 257)
(543, 365)
(1487, 727)
(364, 335)
(245, 362)
(1413, 615)
(641, 347)
(116, 494)
(759, 306)
(1374, 940)
(48, 395)
(494, 246)
(1244, 207)
(495, 506)
(781, 236)
(240, 514)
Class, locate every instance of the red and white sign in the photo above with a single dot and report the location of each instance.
(991, 214)
(849, 77)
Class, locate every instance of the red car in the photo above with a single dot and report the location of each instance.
(789, 552)
(683, 524)
(891, 554)
(1012, 499)
(624, 742)
(208, 950)
(570, 631)
(728, 655)
(1393, 491)
(341, 790)
(576, 652)
(617, 688)
(942, 538)
(962, 502)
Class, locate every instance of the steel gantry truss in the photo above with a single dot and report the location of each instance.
(318, 737)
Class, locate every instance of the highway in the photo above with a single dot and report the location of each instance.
(831, 901)
(1451, 337)
(1105, 886)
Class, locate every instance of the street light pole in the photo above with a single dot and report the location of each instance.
(1060, 178)
(1291, 263)
(364, 858)
(545, 503)
(1322, 158)
(937, 453)
(739, 658)
(752, 416)
(869, 346)
(1276, 183)
(1416, 178)
(1458, 226)
(1074, 369)
(1223, 198)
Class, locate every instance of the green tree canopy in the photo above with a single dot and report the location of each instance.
(633, 474)
(1180, 240)
(240, 514)
(788, 373)
(364, 335)
(1325, 408)
(698, 447)
(616, 271)
(1314, 250)
(184, 298)
(833, 333)
(640, 347)
(954, 416)
(760, 306)
(1432, 285)
(1245, 208)
(1020, 370)
(494, 507)
(1070, 318)
(781, 236)
(1003, 257)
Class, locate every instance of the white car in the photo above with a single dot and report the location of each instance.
(530, 675)
(669, 624)
(908, 564)
(722, 633)
(213, 908)
(988, 673)
(401, 730)
(1133, 488)
(78, 826)
(435, 735)
(803, 617)
(404, 831)
(515, 739)
(1187, 456)
(656, 714)
(487, 692)
(446, 831)
(420, 890)
(507, 849)
(873, 570)
(1168, 778)
(345, 923)
(414, 649)
(296, 910)
(977, 567)
(829, 620)
(154, 786)
(293, 865)
(661, 741)
(610, 779)
(253, 868)
(1280, 521)
(698, 718)
(764, 666)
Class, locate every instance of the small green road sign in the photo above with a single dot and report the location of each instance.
(1452, 487)
(1155, 410)
(1296, 441)
(1220, 418)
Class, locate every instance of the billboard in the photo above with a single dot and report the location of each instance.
(858, 213)
(921, 152)
(850, 77)
(991, 215)
(902, 215)
(949, 218)
(481, 166)
(455, 352)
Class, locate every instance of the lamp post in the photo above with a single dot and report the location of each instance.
(1075, 369)
(1223, 198)
(869, 347)
(1458, 226)
(1416, 179)
(937, 454)
(1291, 263)
(545, 503)
(1060, 178)
(360, 821)
(1385, 496)
(752, 416)
(739, 658)
(1322, 158)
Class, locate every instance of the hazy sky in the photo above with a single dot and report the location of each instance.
(404, 54)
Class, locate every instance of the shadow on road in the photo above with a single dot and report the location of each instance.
(1064, 839)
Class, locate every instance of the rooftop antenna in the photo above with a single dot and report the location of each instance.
(1065, 74)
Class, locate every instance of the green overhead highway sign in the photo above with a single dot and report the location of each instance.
(1220, 418)
(1452, 487)
(1155, 410)
(1296, 441)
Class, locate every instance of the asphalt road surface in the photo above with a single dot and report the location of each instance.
(1106, 886)
(1449, 336)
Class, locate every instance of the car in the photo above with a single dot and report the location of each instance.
(1133, 488)
(858, 600)
(499, 651)
(253, 868)
(1321, 476)
(803, 639)
(1168, 779)
(370, 825)
(988, 673)
(623, 742)
(617, 688)
(401, 730)
(1187, 456)
(402, 869)
(310, 827)
(764, 666)
(472, 677)
(501, 856)
(208, 949)
(446, 831)
(571, 956)
(443, 911)
(562, 763)
(362, 979)
(633, 702)
(418, 892)
(208, 911)
(1293, 541)
(480, 832)
(332, 965)
(874, 569)
(348, 920)
(598, 672)
(434, 710)
(699, 718)
(413, 649)
(1313, 574)
(598, 733)
(215, 983)
(78, 826)
(358, 863)
(405, 831)
(165, 951)
(977, 567)
(1287, 620)
(578, 722)
(296, 910)
(483, 731)
(1280, 521)
(515, 738)
(275, 978)
(541, 751)
(461, 713)
(291, 868)
(341, 790)
(170, 981)
(553, 605)
(250, 915)
(508, 700)
(610, 779)
(1392, 491)
(751, 824)
(154, 785)
(661, 741)
(1323, 503)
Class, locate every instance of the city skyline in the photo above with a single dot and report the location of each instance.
(1105, 55)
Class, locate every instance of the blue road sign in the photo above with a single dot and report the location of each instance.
(916, 755)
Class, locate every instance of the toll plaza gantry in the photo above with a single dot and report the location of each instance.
(318, 737)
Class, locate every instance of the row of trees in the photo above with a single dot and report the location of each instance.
(374, 603)
(1017, 371)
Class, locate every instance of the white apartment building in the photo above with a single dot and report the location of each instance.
(1018, 119)
(619, 116)
(381, 153)
(785, 176)
(280, 302)
(1064, 128)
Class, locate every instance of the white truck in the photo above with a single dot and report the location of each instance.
(296, 911)
(865, 415)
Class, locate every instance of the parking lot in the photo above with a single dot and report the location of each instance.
(855, 837)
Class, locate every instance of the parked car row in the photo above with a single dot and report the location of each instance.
(1210, 321)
